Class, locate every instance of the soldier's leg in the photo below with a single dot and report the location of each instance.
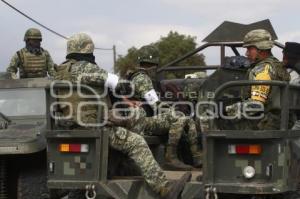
(157, 125)
(194, 142)
(175, 133)
(165, 124)
(137, 149)
(270, 121)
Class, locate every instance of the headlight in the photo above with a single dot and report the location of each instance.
(249, 172)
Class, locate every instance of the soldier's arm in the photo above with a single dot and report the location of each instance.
(50, 65)
(261, 92)
(144, 88)
(12, 69)
(93, 75)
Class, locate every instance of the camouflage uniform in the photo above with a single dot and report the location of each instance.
(31, 63)
(120, 138)
(166, 123)
(267, 69)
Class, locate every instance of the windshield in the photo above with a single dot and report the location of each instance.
(23, 102)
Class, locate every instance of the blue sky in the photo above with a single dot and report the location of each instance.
(128, 23)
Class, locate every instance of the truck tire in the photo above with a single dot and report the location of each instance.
(32, 184)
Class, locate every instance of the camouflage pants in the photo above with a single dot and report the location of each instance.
(137, 149)
(167, 123)
(269, 122)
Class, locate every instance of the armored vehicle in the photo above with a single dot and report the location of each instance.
(236, 163)
(22, 139)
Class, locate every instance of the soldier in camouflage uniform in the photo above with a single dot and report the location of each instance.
(31, 61)
(291, 59)
(80, 67)
(166, 123)
(263, 67)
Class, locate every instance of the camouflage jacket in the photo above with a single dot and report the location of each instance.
(267, 69)
(83, 72)
(18, 63)
(144, 91)
(142, 84)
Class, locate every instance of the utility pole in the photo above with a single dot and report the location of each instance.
(115, 58)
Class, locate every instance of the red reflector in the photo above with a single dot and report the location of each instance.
(75, 148)
(242, 149)
(253, 149)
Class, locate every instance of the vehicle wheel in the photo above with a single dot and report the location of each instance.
(32, 184)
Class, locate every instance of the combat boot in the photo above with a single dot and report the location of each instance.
(173, 189)
(197, 156)
(172, 162)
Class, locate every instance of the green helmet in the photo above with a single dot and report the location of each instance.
(33, 33)
(259, 38)
(148, 54)
(80, 43)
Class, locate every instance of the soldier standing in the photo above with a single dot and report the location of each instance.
(80, 67)
(291, 59)
(167, 123)
(32, 61)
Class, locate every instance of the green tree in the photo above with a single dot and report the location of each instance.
(172, 46)
(125, 63)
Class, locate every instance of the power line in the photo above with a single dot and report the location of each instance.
(40, 24)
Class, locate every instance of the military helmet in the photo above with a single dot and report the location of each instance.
(148, 54)
(80, 43)
(259, 38)
(33, 33)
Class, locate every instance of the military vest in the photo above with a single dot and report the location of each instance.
(80, 115)
(279, 73)
(32, 65)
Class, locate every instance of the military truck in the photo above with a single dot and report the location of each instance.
(236, 163)
(23, 167)
(231, 169)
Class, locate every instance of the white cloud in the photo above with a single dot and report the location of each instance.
(290, 36)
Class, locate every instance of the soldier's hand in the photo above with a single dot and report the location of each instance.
(132, 103)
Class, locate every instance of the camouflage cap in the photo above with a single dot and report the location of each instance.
(80, 43)
(33, 33)
(259, 38)
(148, 54)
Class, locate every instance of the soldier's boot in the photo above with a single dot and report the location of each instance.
(197, 156)
(172, 162)
(173, 189)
